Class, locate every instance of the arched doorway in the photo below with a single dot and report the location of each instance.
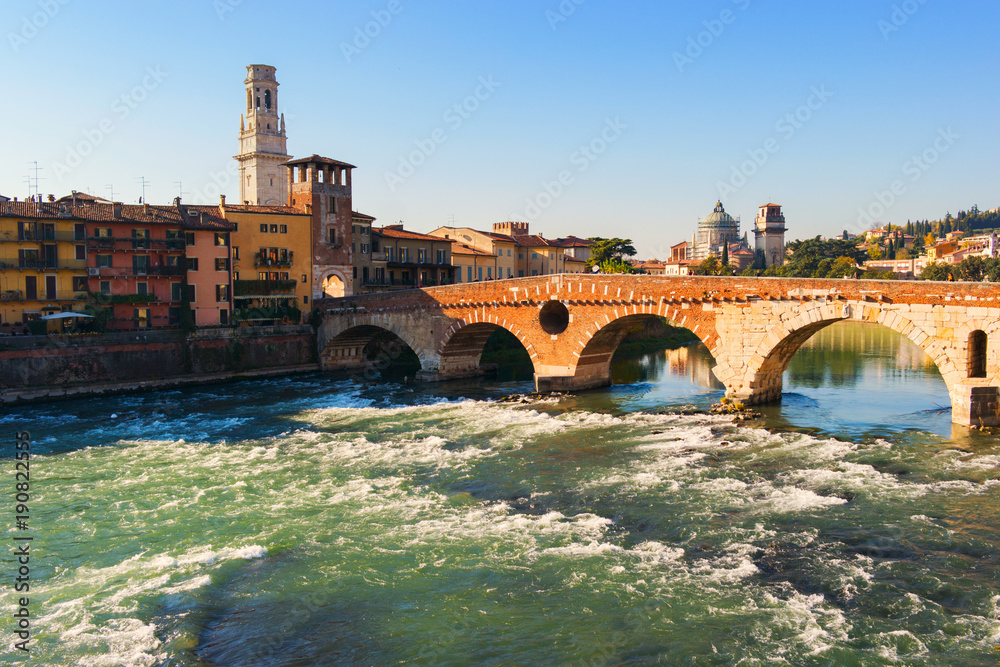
(334, 287)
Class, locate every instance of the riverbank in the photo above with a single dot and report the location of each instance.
(51, 367)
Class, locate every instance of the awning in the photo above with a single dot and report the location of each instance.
(62, 316)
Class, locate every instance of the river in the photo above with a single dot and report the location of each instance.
(311, 520)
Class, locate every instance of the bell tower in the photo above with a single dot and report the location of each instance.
(263, 142)
(770, 233)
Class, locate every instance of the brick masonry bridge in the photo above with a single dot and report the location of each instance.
(572, 324)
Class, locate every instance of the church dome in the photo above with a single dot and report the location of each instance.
(718, 218)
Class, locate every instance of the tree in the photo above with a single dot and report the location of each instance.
(603, 250)
(616, 265)
(710, 266)
(842, 267)
(874, 251)
(935, 271)
(725, 254)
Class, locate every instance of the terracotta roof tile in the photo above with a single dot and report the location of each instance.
(316, 159)
(462, 249)
(388, 232)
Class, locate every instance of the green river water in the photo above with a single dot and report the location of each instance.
(320, 521)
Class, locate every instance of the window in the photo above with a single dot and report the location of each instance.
(480, 273)
(191, 293)
(142, 288)
(552, 255)
(489, 273)
(354, 272)
(221, 239)
(365, 248)
(79, 284)
(389, 253)
(305, 278)
(174, 261)
(140, 239)
(189, 238)
(510, 274)
(274, 229)
(174, 316)
(236, 275)
(224, 317)
(333, 205)
(103, 232)
(222, 293)
(192, 263)
(221, 263)
(977, 354)
(81, 251)
(442, 257)
(105, 287)
(500, 252)
(404, 255)
(104, 261)
(236, 226)
(331, 236)
(520, 255)
(421, 256)
(236, 253)
(141, 318)
(469, 279)
(534, 273)
(508, 252)
(79, 232)
(534, 255)
(140, 264)
(263, 229)
(176, 291)
(282, 229)
(520, 274)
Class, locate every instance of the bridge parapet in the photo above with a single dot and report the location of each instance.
(752, 326)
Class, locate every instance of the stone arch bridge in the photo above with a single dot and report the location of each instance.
(572, 324)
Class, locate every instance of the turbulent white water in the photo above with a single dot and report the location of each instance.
(308, 521)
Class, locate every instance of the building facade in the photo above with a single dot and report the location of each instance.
(263, 144)
(321, 188)
(409, 260)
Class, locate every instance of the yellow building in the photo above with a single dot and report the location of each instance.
(501, 246)
(43, 262)
(472, 264)
(272, 262)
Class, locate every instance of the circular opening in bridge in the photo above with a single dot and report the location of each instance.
(554, 318)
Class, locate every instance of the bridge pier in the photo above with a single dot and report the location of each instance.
(975, 405)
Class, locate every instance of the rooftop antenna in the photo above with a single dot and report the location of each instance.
(180, 189)
(144, 182)
(111, 189)
(36, 169)
(451, 220)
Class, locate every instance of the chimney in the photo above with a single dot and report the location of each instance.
(222, 200)
(52, 197)
(74, 198)
(117, 208)
(145, 209)
(177, 202)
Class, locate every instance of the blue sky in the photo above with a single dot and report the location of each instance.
(584, 117)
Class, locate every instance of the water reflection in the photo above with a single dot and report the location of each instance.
(849, 380)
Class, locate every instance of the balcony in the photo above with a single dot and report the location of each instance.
(166, 245)
(45, 264)
(128, 272)
(40, 295)
(39, 235)
(12, 295)
(252, 289)
(276, 262)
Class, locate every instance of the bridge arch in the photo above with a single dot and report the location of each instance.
(762, 379)
(461, 349)
(600, 342)
(348, 346)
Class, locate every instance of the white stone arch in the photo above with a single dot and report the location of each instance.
(341, 341)
(761, 380)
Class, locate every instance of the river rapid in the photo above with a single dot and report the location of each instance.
(312, 520)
